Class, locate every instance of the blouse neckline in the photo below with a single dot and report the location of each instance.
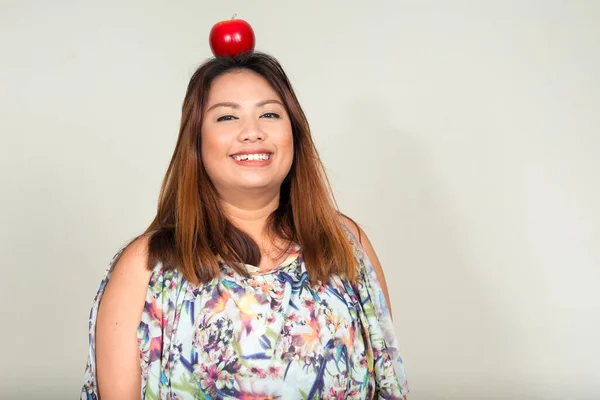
(293, 255)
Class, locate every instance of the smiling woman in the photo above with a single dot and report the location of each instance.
(248, 283)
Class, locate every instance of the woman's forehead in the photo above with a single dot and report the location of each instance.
(241, 86)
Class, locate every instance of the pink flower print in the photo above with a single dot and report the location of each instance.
(171, 284)
(377, 353)
(274, 371)
(213, 377)
(310, 304)
(254, 396)
(258, 371)
(363, 362)
(336, 395)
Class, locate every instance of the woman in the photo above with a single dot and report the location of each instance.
(248, 284)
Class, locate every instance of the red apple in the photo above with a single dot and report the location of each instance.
(231, 37)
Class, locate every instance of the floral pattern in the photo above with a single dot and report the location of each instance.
(268, 336)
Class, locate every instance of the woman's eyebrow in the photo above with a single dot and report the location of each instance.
(223, 104)
(233, 105)
(265, 102)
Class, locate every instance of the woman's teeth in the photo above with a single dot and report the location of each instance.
(251, 157)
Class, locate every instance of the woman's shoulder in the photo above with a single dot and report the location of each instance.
(129, 275)
(133, 257)
(353, 230)
(359, 237)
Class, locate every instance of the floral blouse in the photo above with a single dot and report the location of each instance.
(268, 336)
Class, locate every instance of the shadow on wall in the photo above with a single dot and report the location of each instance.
(451, 341)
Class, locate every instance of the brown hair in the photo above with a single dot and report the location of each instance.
(190, 230)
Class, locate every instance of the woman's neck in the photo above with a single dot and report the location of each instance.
(251, 216)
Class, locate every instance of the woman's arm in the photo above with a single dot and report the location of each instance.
(117, 352)
(370, 252)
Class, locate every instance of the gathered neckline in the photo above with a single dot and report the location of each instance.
(293, 255)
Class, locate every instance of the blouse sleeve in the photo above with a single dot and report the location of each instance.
(388, 364)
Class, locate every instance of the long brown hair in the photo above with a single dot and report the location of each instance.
(190, 231)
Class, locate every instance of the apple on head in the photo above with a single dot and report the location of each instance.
(231, 37)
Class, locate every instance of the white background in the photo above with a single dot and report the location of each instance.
(463, 135)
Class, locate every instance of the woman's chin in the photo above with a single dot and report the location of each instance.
(256, 185)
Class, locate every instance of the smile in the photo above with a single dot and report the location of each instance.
(252, 157)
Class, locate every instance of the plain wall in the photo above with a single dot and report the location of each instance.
(464, 136)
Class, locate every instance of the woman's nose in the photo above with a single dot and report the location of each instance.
(251, 132)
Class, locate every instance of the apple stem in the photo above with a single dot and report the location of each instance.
(234, 15)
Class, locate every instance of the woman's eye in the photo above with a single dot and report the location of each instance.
(226, 118)
(270, 115)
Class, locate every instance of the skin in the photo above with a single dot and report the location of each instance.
(117, 353)
(253, 119)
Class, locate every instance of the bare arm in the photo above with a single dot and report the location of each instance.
(370, 251)
(119, 314)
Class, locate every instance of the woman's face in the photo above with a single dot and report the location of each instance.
(247, 142)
